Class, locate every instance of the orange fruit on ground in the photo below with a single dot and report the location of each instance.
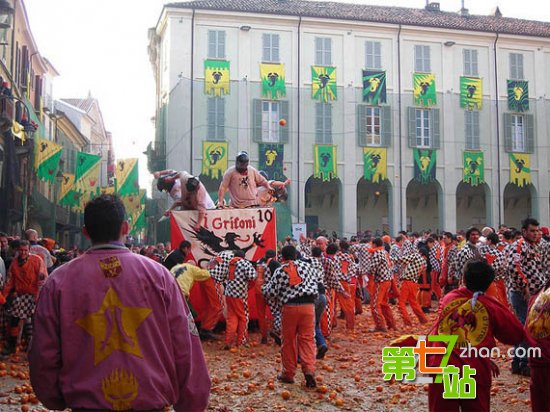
(426, 387)
(247, 373)
(322, 389)
(270, 386)
(233, 350)
(379, 388)
(285, 394)
(339, 402)
(357, 378)
(25, 408)
(18, 390)
(332, 395)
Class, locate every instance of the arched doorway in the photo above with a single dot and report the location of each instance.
(322, 205)
(518, 203)
(423, 205)
(373, 206)
(473, 206)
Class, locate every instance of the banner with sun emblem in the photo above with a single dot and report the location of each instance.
(424, 89)
(216, 77)
(323, 83)
(518, 95)
(214, 159)
(520, 169)
(470, 92)
(375, 164)
(271, 160)
(324, 162)
(273, 80)
(374, 87)
(474, 169)
(47, 155)
(424, 165)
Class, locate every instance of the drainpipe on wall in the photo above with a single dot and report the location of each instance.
(400, 186)
(191, 123)
(498, 130)
(298, 120)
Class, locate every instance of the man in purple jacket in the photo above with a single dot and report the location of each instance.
(112, 330)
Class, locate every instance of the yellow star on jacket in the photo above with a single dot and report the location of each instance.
(114, 327)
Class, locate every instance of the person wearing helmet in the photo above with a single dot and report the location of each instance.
(242, 182)
(266, 198)
(187, 191)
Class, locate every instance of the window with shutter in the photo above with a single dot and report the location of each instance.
(284, 130)
(270, 121)
(470, 62)
(216, 44)
(435, 132)
(507, 128)
(422, 59)
(373, 55)
(386, 131)
(516, 66)
(412, 126)
(323, 51)
(530, 133)
(471, 130)
(518, 133)
(361, 125)
(270, 48)
(257, 120)
(323, 123)
(216, 118)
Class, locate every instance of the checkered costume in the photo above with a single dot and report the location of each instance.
(279, 285)
(527, 266)
(244, 274)
(496, 259)
(436, 252)
(304, 248)
(452, 276)
(413, 265)
(407, 247)
(468, 252)
(330, 268)
(380, 265)
(363, 256)
(219, 266)
(317, 266)
(347, 268)
(395, 251)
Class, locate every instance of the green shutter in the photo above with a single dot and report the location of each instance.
(361, 122)
(257, 120)
(507, 127)
(530, 133)
(412, 126)
(386, 132)
(284, 114)
(220, 119)
(435, 126)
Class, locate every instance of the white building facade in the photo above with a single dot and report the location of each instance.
(497, 55)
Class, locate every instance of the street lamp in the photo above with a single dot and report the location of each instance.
(6, 11)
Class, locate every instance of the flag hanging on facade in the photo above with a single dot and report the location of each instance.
(216, 77)
(375, 164)
(323, 83)
(470, 92)
(273, 80)
(87, 172)
(67, 195)
(518, 95)
(424, 165)
(424, 89)
(137, 221)
(374, 87)
(271, 160)
(324, 166)
(474, 168)
(127, 177)
(520, 169)
(214, 159)
(18, 131)
(46, 159)
(133, 202)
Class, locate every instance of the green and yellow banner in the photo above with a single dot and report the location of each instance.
(67, 195)
(273, 80)
(424, 165)
(271, 160)
(520, 169)
(424, 89)
(474, 168)
(374, 87)
(518, 95)
(137, 221)
(127, 177)
(87, 173)
(375, 164)
(214, 159)
(216, 77)
(323, 83)
(471, 92)
(324, 162)
(132, 203)
(46, 159)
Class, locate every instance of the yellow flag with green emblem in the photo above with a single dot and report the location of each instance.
(127, 177)
(214, 159)
(375, 164)
(216, 77)
(87, 173)
(323, 83)
(46, 159)
(520, 169)
(273, 80)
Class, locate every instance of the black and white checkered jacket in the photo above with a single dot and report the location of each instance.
(528, 266)
(347, 268)
(361, 251)
(285, 286)
(496, 259)
(468, 252)
(236, 283)
(436, 253)
(330, 269)
(413, 266)
(380, 265)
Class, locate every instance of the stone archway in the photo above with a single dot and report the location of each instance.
(423, 202)
(473, 206)
(518, 203)
(373, 206)
(322, 205)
